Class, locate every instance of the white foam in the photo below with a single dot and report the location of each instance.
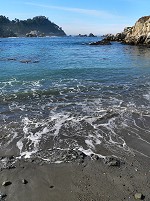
(103, 122)
(147, 96)
(59, 121)
(20, 145)
(89, 143)
(33, 139)
(89, 152)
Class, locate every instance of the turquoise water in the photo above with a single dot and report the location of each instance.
(69, 95)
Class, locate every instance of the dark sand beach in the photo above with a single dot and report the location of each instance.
(89, 180)
(78, 105)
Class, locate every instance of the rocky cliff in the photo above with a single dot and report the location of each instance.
(139, 34)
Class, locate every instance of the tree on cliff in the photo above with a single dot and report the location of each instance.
(17, 27)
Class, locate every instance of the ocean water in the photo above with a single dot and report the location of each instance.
(60, 94)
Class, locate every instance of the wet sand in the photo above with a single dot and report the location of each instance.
(89, 180)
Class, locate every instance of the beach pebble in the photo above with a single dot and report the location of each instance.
(24, 181)
(2, 195)
(25, 61)
(138, 196)
(11, 59)
(6, 183)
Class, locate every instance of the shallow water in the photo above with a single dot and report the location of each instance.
(69, 95)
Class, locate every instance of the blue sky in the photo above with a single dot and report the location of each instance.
(80, 16)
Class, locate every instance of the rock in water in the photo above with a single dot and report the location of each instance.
(101, 42)
(25, 61)
(91, 35)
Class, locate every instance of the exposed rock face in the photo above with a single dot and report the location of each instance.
(139, 34)
(119, 36)
(32, 34)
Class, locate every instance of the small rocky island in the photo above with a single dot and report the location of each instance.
(39, 26)
(85, 35)
(139, 34)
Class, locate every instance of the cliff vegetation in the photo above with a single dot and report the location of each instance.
(38, 26)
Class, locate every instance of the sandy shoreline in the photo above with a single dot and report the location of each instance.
(91, 180)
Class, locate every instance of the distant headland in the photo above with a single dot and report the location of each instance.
(38, 26)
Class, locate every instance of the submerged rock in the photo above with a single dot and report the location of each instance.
(29, 61)
(25, 61)
(36, 61)
(11, 59)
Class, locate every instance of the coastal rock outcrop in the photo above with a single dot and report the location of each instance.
(91, 35)
(82, 35)
(120, 37)
(139, 34)
(32, 34)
